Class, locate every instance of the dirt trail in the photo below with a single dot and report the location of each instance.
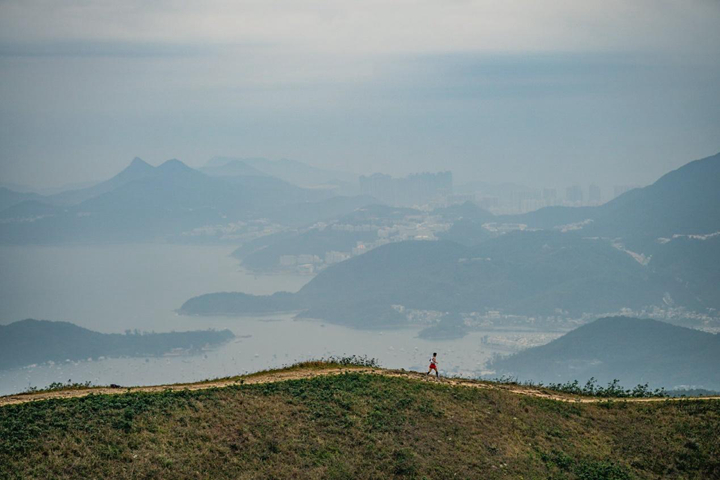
(298, 374)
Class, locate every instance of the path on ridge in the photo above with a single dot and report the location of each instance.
(303, 373)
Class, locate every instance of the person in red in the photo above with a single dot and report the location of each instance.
(433, 366)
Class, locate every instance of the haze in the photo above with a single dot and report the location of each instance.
(191, 190)
(542, 94)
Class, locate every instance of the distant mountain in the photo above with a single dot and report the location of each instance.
(693, 261)
(140, 203)
(156, 203)
(520, 273)
(295, 172)
(467, 223)
(684, 201)
(233, 167)
(19, 188)
(634, 351)
(137, 170)
(37, 341)
(525, 273)
(594, 266)
(466, 210)
(46, 191)
(220, 161)
(8, 197)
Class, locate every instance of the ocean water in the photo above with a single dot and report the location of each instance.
(114, 288)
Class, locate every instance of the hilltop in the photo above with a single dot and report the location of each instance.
(635, 350)
(333, 421)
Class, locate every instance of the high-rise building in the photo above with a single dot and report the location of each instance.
(528, 201)
(594, 195)
(549, 196)
(574, 195)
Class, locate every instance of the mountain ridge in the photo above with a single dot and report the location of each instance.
(355, 424)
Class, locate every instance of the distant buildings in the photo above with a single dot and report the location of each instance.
(429, 190)
(489, 203)
(360, 249)
(549, 196)
(335, 257)
(529, 200)
(308, 259)
(574, 195)
(299, 261)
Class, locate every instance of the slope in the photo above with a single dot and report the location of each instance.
(137, 170)
(637, 351)
(355, 425)
(684, 201)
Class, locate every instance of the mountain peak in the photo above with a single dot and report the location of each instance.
(173, 165)
(138, 168)
(137, 161)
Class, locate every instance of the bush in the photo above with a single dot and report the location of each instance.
(591, 388)
(613, 390)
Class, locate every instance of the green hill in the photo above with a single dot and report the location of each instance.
(634, 350)
(356, 426)
(527, 273)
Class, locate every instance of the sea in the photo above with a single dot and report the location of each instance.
(115, 288)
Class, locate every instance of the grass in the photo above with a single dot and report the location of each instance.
(355, 425)
(327, 363)
(591, 388)
(57, 386)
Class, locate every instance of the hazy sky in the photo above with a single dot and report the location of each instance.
(541, 93)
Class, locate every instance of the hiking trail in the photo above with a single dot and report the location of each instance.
(307, 373)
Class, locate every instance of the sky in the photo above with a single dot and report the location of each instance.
(545, 93)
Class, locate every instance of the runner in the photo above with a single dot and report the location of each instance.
(433, 366)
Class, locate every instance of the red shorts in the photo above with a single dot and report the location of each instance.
(433, 367)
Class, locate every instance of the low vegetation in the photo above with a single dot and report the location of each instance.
(592, 389)
(356, 425)
(58, 386)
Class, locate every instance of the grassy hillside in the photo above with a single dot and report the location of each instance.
(356, 425)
